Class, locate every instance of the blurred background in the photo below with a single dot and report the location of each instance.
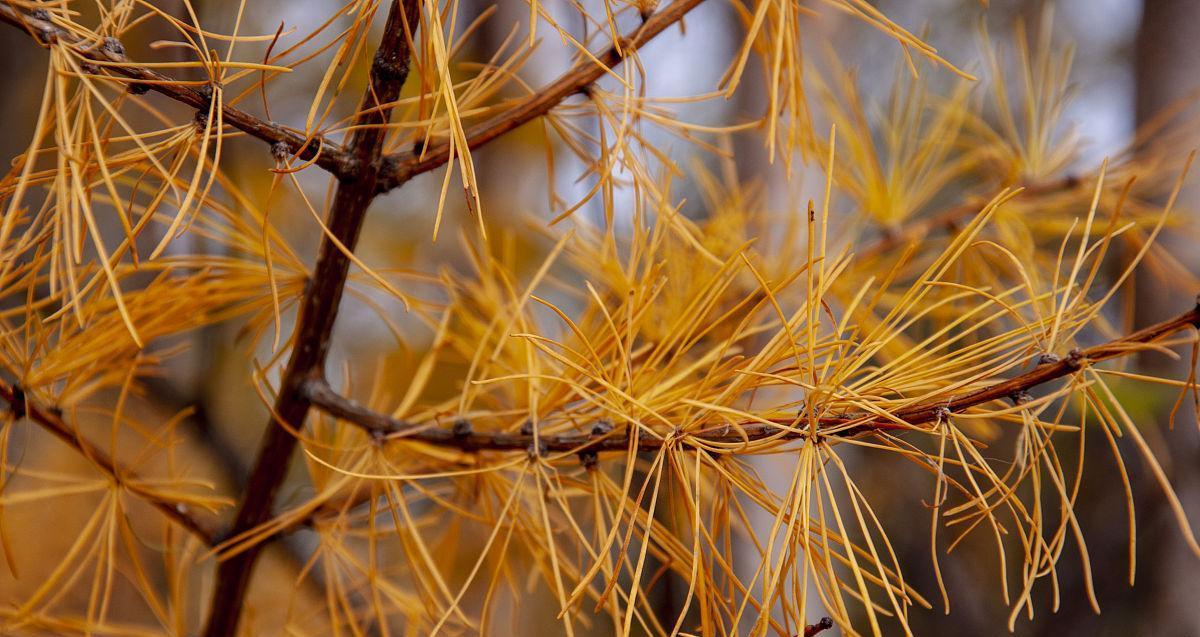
(1132, 59)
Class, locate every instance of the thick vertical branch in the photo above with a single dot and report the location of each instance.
(318, 309)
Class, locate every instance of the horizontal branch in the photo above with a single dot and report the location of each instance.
(400, 167)
(39, 25)
(602, 438)
(49, 419)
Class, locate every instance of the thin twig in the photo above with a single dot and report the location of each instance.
(318, 309)
(463, 437)
(404, 166)
(111, 51)
(49, 419)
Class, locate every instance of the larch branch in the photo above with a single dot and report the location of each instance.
(49, 419)
(404, 166)
(111, 51)
(463, 437)
(318, 308)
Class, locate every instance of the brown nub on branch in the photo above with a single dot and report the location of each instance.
(589, 459)
(1020, 397)
(385, 68)
(113, 46)
(1076, 359)
(46, 32)
(535, 451)
(1048, 358)
(819, 627)
(200, 120)
(17, 406)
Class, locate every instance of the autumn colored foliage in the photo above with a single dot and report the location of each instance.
(638, 407)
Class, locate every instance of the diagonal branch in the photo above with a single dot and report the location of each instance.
(404, 166)
(40, 26)
(318, 309)
(49, 419)
(461, 436)
(950, 218)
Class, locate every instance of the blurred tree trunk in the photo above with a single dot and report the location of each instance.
(1167, 64)
(1167, 56)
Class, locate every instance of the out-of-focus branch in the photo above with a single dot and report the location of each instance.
(462, 436)
(50, 420)
(39, 24)
(950, 218)
(404, 166)
(164, 395)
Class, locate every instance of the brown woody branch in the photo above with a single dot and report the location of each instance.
(40, 25)
(49, 419)
(318, 309)
(372, 174)
(362, 173)
(601, 439)
(404, 166)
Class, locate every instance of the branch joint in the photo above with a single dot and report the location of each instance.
(113, 47)
(815, 629)
(1020, 397)
(1049, 358)
(1076, 359)
(46, 33)
(385, 69)
(18, 405)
